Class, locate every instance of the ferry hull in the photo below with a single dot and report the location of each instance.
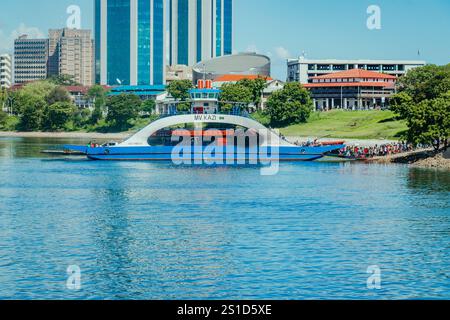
(200, 156)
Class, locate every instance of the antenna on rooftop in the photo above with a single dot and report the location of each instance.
(303, 55)
(204, 71)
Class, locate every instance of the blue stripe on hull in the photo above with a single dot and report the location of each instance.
(168, 157)
(165, 153)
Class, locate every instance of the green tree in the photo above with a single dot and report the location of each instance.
(426, 83)
(400, 103)
(179, 89)
(428, 122)
(81, 117)
(63, 80)
(57, 115)
(234, 94)
(121, 109)
(98, 95)
(424, 102)
(31, 113)
(38, 89)
(3, 119)
(58, 94)
(256, 87)
(3, 98)
(148, 106)
(288, 106)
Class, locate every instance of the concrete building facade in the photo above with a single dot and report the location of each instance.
(5, 71)
(30, 59)
(302, 69)
(200, 30)
(178, 72)
(71, 53)
(130, 42)
(354, 89)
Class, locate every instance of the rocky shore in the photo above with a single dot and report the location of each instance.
(439, 161)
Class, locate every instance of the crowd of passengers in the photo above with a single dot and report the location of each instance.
(363, 152)
(376, 151)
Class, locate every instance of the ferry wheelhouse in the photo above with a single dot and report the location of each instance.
(207, 133)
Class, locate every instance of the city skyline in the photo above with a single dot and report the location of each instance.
(323, 29)
(129, 46)
(199, 30)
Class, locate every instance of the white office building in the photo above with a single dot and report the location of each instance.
(5, 71)
(302, 69)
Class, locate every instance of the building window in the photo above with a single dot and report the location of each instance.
(183, 32)
(219, 28)
(323, 67)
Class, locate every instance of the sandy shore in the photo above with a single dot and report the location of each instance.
(67, 135)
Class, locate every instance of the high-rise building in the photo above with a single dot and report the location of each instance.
(130, 42)
(200, 30)
(71, 53)
(30, 59)
(5, 71)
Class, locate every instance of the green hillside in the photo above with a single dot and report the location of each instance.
(349, 125)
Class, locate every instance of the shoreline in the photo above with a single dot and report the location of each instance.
(65, 135)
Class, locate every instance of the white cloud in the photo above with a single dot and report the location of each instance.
(282, 53)
(7, 41)
(252, 48)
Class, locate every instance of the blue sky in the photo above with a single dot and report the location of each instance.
(286, 28)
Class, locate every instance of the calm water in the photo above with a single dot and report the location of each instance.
(155, 231)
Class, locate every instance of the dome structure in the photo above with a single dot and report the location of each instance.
(236, 64)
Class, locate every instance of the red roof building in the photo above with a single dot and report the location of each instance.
(354, 89)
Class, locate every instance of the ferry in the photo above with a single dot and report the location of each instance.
(211, 134)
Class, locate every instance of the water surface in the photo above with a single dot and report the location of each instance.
(143, 230)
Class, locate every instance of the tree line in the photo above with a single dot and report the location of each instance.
(423, 101)
(48, 106)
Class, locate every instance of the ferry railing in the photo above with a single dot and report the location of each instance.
(184, 113)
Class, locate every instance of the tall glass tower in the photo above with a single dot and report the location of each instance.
(200, 30)
(129, 42)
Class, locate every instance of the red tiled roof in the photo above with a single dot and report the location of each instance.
(238, 77)
(356, 73)
(82, 89)
(349, 84)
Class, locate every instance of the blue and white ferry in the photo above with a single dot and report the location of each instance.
(204, 126)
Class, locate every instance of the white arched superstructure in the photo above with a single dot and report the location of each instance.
(269, 138)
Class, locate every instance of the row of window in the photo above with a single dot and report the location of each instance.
(342, 67)
(352, 80)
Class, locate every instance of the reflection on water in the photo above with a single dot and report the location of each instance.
(155, 231)
(32, 147)
(429, 180)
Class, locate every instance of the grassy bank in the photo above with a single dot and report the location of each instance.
(350, 125)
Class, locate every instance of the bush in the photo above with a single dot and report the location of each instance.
(57, 115)
(291, 105)
(121, 109)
